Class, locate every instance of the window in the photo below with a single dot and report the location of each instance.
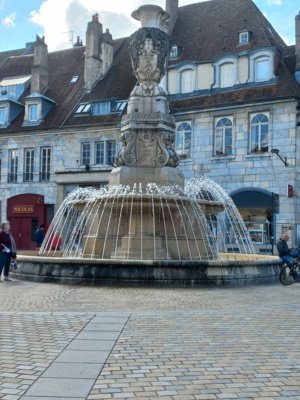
(183, 140)
(85, 154)
(174, 51)
(259, 131)
(261, 66)
(83, 109)
(99, 152)
(13, 166)
(28, 165)
(226, 72)
(101, 108)
(118, 106)
(223, 138)
(227, 75)
(244, 37)
(262, 69)
(2, 115)
(13, 87)
(74, 79)
(187, 81)
(111, 152)
(105, 152)
(45, 164)
(32, 112)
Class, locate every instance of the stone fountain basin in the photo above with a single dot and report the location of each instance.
(230, 270)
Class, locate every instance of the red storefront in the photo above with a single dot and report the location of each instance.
(25, 213)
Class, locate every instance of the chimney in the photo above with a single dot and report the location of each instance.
(92, 68)
(78, 42)
(297, 45)
(107, 51)
(172, 10)
(39, 70)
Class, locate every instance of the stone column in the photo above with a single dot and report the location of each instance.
(148, 131)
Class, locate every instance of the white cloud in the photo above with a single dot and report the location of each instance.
(70, 19)
(9, 20)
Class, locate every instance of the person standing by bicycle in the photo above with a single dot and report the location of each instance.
(287, 254)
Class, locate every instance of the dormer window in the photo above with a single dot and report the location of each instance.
(83, 108)
(118, 106)
(101, 108)
(261, 66)
(226, 72)
(175, 51)
(244, 37)
(12, 87)
(36, 108)
(33, 112)
(74, 79)
(2, 115)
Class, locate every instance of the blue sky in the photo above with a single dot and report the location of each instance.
(22, 20)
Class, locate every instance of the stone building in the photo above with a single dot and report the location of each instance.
(233, 87)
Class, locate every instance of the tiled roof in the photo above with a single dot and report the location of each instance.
(204, 30)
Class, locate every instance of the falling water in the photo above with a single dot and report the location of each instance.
(156, 222)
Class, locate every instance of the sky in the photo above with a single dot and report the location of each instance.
(61, 21)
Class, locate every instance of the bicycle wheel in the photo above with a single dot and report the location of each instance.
(286, 276)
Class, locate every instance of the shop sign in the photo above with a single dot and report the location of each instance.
(23, 209)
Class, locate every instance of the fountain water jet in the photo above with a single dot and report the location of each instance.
(148, 226)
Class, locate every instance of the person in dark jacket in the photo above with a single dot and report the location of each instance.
(285, 253)
(39, 236)
(7, 250)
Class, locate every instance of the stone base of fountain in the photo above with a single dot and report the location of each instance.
(241, 270)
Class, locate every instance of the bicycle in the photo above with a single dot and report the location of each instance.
(288, 274)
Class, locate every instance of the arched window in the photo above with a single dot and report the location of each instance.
(187, 81)
(226, 72)
(259, 131)
(261, 66)
(227, 75)
(183, 140)
(223, 137)
(262, 69)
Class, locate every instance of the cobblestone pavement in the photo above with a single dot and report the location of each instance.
(204, 343)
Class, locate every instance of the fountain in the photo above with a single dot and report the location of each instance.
(149, 226)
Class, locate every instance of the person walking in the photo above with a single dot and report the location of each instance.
(8, 250)
(39, 236)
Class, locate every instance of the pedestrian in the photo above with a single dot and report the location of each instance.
(39, 236)
(56, 242)
(8, 250)
(287, 254)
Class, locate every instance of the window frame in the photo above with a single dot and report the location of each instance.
(187, 68)
(222, 129)
(100, 152)
(85, 153)
(218, 64)
(183, 151)
(13, 166)
(254, 59)
(261, 147)
(111, 151)
(244, 37)
(101, 108)
(4, 112)
(28, 164)
(45, 163)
